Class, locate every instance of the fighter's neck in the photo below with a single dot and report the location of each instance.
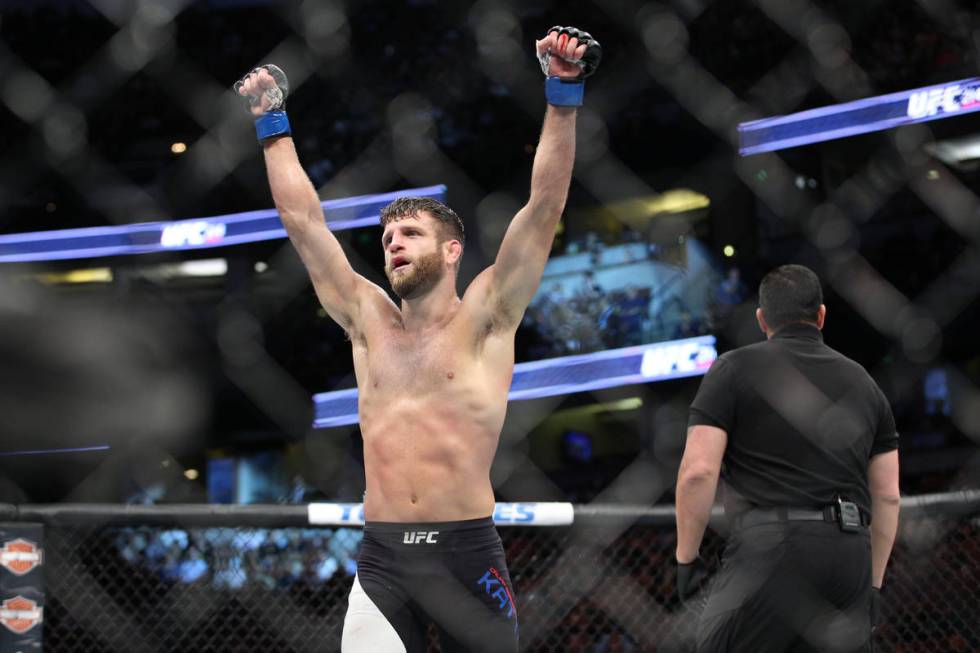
(433, 309)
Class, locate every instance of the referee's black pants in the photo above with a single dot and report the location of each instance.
(790, 586)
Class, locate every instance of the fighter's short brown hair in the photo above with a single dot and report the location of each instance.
(452, 226)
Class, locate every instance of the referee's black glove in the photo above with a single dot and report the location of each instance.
(690, 577)
(875, 608)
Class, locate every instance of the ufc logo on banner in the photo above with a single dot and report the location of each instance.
(420, 537)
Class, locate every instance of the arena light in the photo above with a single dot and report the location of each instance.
(210, 267)
(660, 361)
(207, 267)
(619, 405)
(630, 403)
(680, 200)
(199, 233)
(178, 148)
(89, 275)
(962, 153)
(638, 211)
(860, 117)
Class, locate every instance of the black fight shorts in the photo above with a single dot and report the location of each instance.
(452, 574)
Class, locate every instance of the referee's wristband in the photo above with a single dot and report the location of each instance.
(564, 92)
(272, 123)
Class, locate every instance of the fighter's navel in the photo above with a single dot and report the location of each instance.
(414, 499)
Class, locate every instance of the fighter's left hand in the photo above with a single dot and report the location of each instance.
(568, 52)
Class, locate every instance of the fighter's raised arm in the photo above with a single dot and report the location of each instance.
(338, 287)
(567, 56)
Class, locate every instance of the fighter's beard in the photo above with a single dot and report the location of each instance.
(425, 271)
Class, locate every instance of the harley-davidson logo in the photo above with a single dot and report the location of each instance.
(20, 556)
(19, 614)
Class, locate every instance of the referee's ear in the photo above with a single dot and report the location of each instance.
(761, 319)
(821, 316)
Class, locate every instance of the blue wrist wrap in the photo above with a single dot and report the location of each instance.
(564, 92)
(273, 123)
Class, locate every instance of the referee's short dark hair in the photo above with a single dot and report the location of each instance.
(790, 294)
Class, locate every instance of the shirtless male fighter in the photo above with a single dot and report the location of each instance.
(432, 374)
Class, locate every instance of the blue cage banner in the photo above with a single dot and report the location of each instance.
(860, 117)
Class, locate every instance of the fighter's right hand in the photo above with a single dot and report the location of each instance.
(264, 89)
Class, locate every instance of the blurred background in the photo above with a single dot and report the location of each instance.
(188, 376)
(119, 113)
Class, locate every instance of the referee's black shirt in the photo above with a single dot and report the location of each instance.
(802, 421)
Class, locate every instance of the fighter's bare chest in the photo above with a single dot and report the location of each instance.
(395, 360)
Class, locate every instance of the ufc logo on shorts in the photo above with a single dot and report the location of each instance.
(420, 537)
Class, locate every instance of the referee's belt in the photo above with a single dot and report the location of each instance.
(758, 516)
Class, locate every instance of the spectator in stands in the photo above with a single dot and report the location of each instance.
(192, 566)
(633, 308)
(555, 296)
(590, 287)
(687, 326)
(728, 294)
(535, 340)
(731, 291)
(594, 246)
(610, 322)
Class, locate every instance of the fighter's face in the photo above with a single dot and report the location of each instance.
(414, 260)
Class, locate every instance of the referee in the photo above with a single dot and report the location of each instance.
(806, 444)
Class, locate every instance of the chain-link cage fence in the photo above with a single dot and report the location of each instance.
(598, 586)
(121, 112)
